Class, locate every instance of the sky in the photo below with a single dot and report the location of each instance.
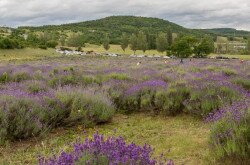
(188, 13)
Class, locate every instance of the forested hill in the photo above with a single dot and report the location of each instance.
(95, 30)
(228, 32)
(116, 25)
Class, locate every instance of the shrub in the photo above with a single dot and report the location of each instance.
(230, 133)
(4, 77)
(209, 99)
(20, 76)
(18, 119)
(110, 151)
(245, 83)
(43, 47)
(63, 80)
(86, 107)
(25, 117)
(170, 102)
(229, 72)
(36, 87)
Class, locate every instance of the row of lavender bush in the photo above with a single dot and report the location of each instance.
(37, 98)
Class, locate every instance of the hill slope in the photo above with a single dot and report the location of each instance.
(228, 32)
(116, 25)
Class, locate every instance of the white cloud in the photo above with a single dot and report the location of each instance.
(189, 13)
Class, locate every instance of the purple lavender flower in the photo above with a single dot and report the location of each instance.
(115, 150)
(147, 84)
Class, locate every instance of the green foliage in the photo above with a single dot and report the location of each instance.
(209, 100)
(161, 42)
(170, 37)
(43, 47)
(106, 42)
(142, 41)
(133, 43)
(76, 40)
(124, 41)
(204, 47)
(8, 43)
(86, 108)
(230, 139)
(36, 87)
(170, 102)
(51, 44)
(184, 46)
(245, 83)
(248, 44)
(229, 72)
(4, 77)
(20, 76)
(94, 31)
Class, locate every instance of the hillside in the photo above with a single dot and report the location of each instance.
(228, 32)
(116, 25)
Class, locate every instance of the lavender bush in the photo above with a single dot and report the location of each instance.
(230, 132)
(109, 151)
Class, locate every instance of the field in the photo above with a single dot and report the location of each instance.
(48, 102)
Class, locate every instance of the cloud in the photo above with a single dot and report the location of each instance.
(188, 13)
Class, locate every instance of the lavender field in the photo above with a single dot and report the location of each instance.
(40, 97)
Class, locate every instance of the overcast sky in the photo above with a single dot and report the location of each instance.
(188, 13)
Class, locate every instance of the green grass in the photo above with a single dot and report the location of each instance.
(182, 138)
(26, 54)
(246, 57)
(117, 49)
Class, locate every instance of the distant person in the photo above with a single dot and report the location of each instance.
(165, 61)
(190, 59)
(241, 61)
(181, 62)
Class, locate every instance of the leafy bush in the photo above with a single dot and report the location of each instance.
(43, 47)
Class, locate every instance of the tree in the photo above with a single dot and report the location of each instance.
(205, 47)
(170, 37)
(124, 42)
(184, 46)
(248, 44)
(142, 42)
(62, 40)
(161, 42)
(133, 43)
(76, 40)
(105, 43)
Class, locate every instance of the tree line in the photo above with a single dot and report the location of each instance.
(183, 46)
